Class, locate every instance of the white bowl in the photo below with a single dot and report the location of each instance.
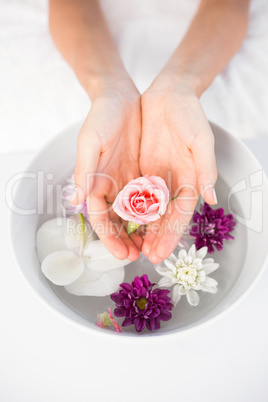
(240, 178)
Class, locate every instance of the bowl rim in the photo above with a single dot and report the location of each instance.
(112, 335)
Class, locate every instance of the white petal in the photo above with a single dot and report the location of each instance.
(50, 238)
(210, 282)
(164, 271)
(74, 234)
(172, 258)
(208, 260)
(210, 267)
(202, 252)
(188, 260)
(209, 289)
(97, 257)
(179, 262)
(197, 261)
(90, 275)
(192, 297)
(175, 295)
(165, 282)
(62, 267)
(192, 252)
(105, 285)
(182, 254)
(182, 290)
(170, 265)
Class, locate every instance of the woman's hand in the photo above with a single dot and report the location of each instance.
(178, 145)
(107, 159)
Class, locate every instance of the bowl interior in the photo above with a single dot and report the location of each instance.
(241, 188)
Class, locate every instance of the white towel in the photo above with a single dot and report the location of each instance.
(39, 94)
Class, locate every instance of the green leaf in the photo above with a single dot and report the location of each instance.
(131, 227)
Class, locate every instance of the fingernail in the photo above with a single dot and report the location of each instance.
(215, 196)
(146, 249)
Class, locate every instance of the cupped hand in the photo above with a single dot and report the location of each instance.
(178, 145)
(107, 159)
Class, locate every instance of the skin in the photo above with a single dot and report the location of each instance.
(172, 139)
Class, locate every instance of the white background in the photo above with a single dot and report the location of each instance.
(46, 358)
(43, 357)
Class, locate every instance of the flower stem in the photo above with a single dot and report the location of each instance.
(171, 199)
(83, 230)
(131, 227)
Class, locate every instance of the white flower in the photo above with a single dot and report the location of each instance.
(70, 257)
(188, 273)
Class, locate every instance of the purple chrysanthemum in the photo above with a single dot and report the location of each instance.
(67, 207)
(141, 305)
(211, 227)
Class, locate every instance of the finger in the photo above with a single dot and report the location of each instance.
(104, 228)
(137, 236)
(88, 152)
(137, 240)
(205, 164)
(133, 251)
(152, 230)
(173, 225)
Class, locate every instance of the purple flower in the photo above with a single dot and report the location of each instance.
(67, 207)
(142, 306)
(211, 228)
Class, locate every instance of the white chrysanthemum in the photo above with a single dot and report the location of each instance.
(188, 273)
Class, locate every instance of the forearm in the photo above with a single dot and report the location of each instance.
(215, 35)
(81, 34)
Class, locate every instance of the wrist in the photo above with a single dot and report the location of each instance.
(102, 81)
(97, 84)
(170, 79)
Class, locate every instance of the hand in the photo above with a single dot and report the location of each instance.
(178, 145)
(107, 159)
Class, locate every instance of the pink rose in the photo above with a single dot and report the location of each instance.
(142, 200)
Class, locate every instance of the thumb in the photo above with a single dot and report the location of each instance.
(88, 153)
(206, 168)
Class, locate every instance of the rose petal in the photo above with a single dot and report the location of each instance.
(62, 267)
(97, 257)
(141, 200)
(158, 182)
(108, 283)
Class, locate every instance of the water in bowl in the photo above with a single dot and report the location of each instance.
(231, 261)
